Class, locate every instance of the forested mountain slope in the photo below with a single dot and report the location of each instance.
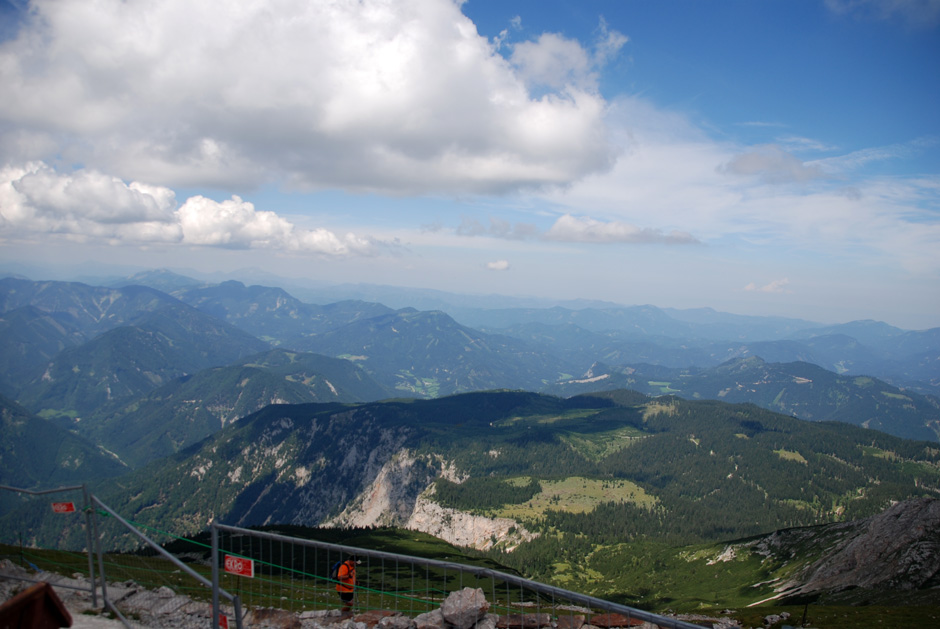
(799, 389)
(272, 314)
(37, 454)
(191, 408)
(428, 354)
(131, 360)
(611, 467)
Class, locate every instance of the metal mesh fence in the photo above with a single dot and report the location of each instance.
(156, 579)
(151, 586)
(281, 577)
(44, 537)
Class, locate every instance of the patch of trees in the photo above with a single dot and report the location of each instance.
(484, 493)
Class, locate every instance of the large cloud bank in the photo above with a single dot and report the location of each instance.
(400, 96)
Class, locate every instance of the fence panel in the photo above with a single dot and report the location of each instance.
(280, 578)
(46, 534)
(146, 584)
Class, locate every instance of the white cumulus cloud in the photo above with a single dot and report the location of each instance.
(379, 95)
(86, 204)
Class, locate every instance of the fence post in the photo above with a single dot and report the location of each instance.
(237, 603)
(101, 575)
(215, 575)
(91, 561)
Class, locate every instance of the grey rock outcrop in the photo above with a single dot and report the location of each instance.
(389, 500)
(401, 494)
(897, 550)
(464, 529)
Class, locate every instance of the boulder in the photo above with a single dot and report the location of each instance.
(431, 620)
(463, 608)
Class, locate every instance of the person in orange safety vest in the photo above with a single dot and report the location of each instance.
(346, 575)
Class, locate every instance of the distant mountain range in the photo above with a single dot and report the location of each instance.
(98, 354)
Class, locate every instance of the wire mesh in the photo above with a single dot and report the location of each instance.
(148, 585)
(282, 581)
(44, 537)
(281, 577)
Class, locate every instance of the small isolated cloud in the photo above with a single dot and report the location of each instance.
(86, 204)
(498, 265)
(776, 286)
(516, 25)
(569, 228)
(608, 43)
(771, 164)
(558, 63)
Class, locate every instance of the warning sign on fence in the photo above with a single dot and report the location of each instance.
(240, 566)
(63, 507)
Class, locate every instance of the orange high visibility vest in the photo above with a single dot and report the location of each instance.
(347, 576)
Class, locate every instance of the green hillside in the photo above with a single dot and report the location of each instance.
(272, 314)
(92, 309)
(800, 389)
(29, 339)
(620, 495)
(131, 360)
(428, 354)
(189, 409)
(37, 454)
(665, 469)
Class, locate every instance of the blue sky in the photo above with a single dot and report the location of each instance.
(773, 158)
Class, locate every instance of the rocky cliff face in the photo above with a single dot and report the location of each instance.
(463, 529)
(401, 495)
(389, 500)
(898, 550)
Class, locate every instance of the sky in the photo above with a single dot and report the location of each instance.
(764, 158)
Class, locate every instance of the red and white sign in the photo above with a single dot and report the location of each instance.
(223, 621)
(63, 507)
(240, 566)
